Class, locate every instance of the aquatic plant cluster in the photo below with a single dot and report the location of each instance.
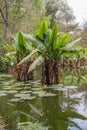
(44, 51)
(28, 105)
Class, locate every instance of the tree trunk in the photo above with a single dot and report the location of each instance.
(7, 22)
(50, 72)
(7, 32)
(21, 73)
(6, 19)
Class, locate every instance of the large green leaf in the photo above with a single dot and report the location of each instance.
(63, 40)
(71, 51)
(29, 57)
(47, 38)
(42, 30)
(36, 43)
(21, 43)
(28, 43)
(71, 44)
(8, 47)
(36, 63)
(54, 37)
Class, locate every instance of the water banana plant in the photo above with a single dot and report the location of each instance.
(15, 53)
(50, 46)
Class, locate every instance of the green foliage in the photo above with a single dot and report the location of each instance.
(29, 57)
(3, 66)
(22, 47)
(36, 63)
(8, 48)
(63, 40)
(21, 42)
(18, 50)
(30, 115)
(54, 38)
(51, 44)
(42, 30)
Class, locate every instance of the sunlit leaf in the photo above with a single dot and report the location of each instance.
(36, 63)
(27, 58)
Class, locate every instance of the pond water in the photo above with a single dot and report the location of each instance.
(29, 106)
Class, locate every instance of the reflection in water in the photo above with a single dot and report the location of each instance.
(65, 111)
(60, 117)
(53, 114)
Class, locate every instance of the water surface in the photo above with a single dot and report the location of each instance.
(31, 106)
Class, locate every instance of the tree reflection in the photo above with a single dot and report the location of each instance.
(58, 117)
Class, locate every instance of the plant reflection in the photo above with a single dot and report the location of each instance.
(58, 117)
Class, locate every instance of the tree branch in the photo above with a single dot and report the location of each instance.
(3, 17)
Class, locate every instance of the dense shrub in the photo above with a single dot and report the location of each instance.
(3, 66)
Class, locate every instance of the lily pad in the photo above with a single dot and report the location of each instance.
(26, 92)
(15, 99)
(70, 87)
(27, 84)
(36, 89)
(7, 87)
(2, 94)
(19, 88)
(12, 91)
(60, 89)
(38, 92)
(21, 95)
(28, 98)
(47, 95)
(22, 98)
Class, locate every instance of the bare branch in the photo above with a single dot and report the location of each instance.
(2, 15)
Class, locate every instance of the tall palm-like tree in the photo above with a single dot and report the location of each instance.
(50, 46)
(16, 52)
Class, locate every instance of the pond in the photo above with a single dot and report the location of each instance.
(29, 106)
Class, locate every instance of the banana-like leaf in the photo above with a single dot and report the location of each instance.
(63, 40)
(54, 37)
(36, 63)
(36, 43)
(71, 44)
(21, 42)
(27, 58)
(47, 38)
(28, 43)
(71, 52)
(21, 39)
(42, 30)
(8, 47)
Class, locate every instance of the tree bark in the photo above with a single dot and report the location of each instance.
(22, 74)
(6, 20)
(50, 72)
(7, 23)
